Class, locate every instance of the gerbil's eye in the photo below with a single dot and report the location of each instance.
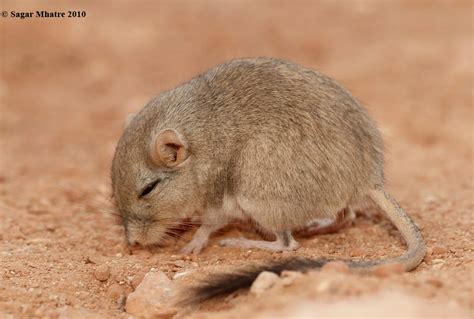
(147, 190)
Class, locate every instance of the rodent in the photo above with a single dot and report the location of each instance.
(260, 139)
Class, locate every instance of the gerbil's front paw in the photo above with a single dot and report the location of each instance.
(193, 247)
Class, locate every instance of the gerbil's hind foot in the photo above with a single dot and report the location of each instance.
(328, 226)
(284, 241)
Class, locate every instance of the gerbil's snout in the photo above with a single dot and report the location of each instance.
(130, 241)
(143, 233)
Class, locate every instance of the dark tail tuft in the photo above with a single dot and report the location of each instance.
(220, 285)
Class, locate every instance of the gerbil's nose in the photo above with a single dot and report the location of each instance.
(132, 241)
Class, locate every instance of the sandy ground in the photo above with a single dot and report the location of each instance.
(68, 84)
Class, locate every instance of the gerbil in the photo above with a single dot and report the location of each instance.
(259, 139)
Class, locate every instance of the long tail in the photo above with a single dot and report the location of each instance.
(220, 285)
(411, 234)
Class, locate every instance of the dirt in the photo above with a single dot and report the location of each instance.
(67, 85)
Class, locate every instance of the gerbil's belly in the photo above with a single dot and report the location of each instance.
(277, 215)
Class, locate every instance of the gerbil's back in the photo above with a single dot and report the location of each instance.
(290, 132)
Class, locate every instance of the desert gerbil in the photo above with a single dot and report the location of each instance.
(259, 139)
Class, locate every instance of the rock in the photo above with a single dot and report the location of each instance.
(336, 266)
(264, 281)
(153, 297)
(388, 270)
(439, 250)
(115, 291)
(388, 303)
(102, 272)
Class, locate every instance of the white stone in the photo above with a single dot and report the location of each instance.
(153, 297)
(183, 274)
(263, 282)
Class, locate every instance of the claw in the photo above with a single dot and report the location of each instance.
(193, 247)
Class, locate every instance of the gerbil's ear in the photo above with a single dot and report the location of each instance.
(169, 148)
(128, 120)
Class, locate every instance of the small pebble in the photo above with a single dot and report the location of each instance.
(182, 274)
(102, 272)
(115, 291)
(264, 281)
(388, 270)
